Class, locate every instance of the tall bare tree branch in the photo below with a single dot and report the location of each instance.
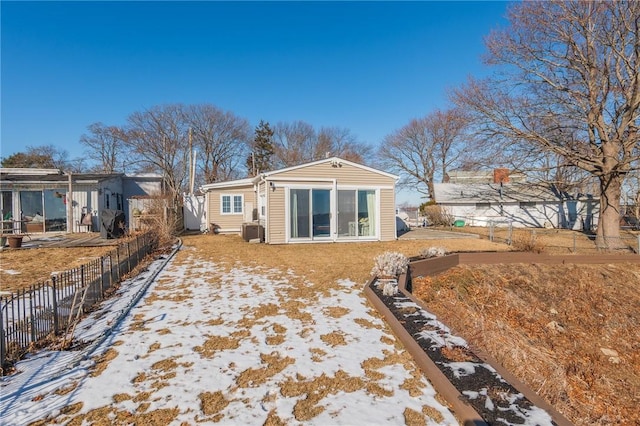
(569, 84)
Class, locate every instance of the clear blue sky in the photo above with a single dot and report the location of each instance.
(368, 67)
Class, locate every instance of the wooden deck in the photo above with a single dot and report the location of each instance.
(84, 239)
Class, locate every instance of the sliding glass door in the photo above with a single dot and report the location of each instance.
(310, 213)
(356, 213)
(44, 211)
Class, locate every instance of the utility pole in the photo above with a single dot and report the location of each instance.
(190, 164)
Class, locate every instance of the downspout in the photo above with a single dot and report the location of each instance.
(70, 205)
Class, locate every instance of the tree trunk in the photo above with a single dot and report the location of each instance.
(431, 190)
(608, 234)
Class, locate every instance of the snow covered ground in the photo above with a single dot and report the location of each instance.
(243, 345)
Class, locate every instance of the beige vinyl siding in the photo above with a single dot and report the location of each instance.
(345, 175)
(322, 175)
(276, 216)
(388, 215)
(228, 222)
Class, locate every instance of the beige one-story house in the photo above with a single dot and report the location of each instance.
(330, 200)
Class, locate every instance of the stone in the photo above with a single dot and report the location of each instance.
(614, 358)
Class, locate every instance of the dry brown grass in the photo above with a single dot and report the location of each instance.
(322, 263)
(22, 268)
(551, 241)
(548, 326)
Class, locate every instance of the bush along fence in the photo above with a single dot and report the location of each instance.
(53, 307)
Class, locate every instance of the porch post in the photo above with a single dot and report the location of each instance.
(334, 211)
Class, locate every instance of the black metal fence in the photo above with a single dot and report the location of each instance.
(30, 316)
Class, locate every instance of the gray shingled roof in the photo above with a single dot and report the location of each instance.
(453, 193)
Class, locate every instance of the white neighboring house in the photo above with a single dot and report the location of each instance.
(37, 200)
(518, 204)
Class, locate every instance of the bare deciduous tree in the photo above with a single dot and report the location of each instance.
(340, 142)
(298, 142)
(570, 84)
(159, 138)
(222, 139)
(293, 143)
(106, 148)
(425, 148)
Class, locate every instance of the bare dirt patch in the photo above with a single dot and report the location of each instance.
(212, 402)
(275, 363)
(569, 331)
(102, 362)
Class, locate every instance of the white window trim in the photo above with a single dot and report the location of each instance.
(232, 204)
(333, 208)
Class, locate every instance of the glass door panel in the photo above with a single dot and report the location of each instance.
(299, 213)
(32, 211)
(347, 221)
(367, 213)
(55, 210)
(321, 213)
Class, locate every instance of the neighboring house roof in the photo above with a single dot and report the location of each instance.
(481, 176)
(56, 175)
(266, 175)
(454, 193)
(229, 184)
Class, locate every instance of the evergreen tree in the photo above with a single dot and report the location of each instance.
(260, 158)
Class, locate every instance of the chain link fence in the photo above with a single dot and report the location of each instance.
(561, 241)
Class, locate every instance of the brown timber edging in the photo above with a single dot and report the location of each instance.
(462, 410)
(428, 267)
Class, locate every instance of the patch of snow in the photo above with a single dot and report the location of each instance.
(192, 302)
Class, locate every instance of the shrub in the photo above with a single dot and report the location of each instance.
(389, 264)
(437, 215)
(432, 252)
(160, 219)
(390, 288)
(527, 241)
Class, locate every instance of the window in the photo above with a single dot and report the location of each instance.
(231, 204)
(6, 203)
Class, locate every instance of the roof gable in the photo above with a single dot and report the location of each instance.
(229, 184)
(331, 160)
(266, 175)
